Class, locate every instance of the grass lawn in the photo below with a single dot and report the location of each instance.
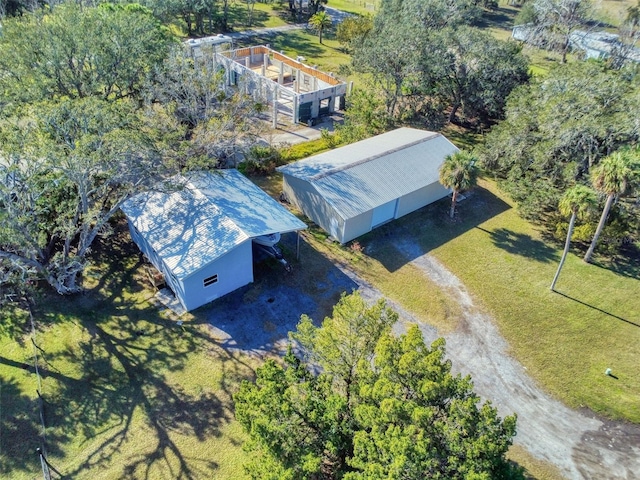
(265, 15)
(566, 340)
(613, 12)
(128, 393)
(326, 56)
(362, 7)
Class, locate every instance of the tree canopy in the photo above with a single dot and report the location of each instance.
(453, 67)
(77, 52)
(551, 22)
(66, 168)
(458, 172)
(358, 402)
(96, 105)
(320, 22)
(613, 177)
(557, 129)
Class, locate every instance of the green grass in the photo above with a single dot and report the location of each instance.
(613, 12)
(326, 56)
(499, 22)
(534, 468)
(395, 278)
(264, 16)
(461, 137)
(128, 393)
(362, 7)
(592, 324)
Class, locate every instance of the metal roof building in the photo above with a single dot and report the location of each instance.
(353, 189)
(198, 233)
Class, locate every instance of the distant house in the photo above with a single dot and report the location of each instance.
(353, 189)
(200, 235)
(200, 47)
(523, 32)
(602, 45)
(593, 44)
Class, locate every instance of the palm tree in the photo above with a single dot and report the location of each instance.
(458, 172)
(577, 201)
(611, 177)
(320, 22)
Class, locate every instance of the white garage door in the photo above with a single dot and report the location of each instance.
(384, 213)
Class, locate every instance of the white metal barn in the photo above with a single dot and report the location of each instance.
(353, 189)
(199, 235)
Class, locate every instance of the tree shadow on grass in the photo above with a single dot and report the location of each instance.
(295, 40)
(124, 368)
(431, 227)
(239, 17)
(522, 244)
(20, 427)
(112, 387)
(500, 18)
(626, 262)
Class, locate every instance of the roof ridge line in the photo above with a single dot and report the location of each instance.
(321, 175)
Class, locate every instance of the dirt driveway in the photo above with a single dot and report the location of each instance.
(581, 445)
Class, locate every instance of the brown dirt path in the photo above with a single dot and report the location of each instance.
(581, 445)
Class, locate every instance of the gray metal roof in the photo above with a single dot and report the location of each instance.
(366, 174)
(208, 216)
(602, 44)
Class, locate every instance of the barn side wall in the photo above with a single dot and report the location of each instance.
(313, 205)
(356, 226)
(233, 270)
(420, 198)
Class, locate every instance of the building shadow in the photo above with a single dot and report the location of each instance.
(258, 317)
(430, 227)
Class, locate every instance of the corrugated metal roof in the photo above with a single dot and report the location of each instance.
(366, 174)
(255, 212)
(210, 215)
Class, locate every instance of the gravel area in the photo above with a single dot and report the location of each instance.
(579, 443)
